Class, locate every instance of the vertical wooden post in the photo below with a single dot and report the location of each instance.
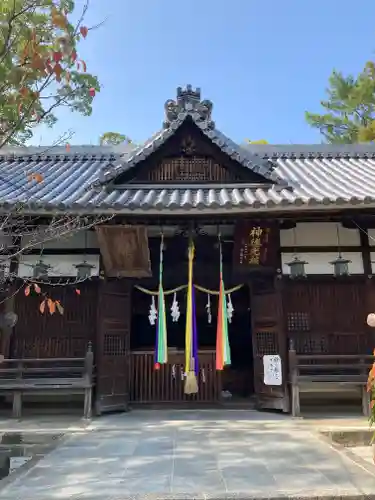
(17, 395)
(370, 285)
(89, 364)
(10, 303)
(365, 393)
(293, 370)
(113, 346)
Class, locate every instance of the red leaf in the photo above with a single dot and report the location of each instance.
(37, 288)
(83, 30)
(92, 92)
(58, 70)
(57, 56)
(38, 178)
(42, 307)
(27, 291)
(74, 55)
(84, 67)
(51, 306)
(78, 291)
(67, 147)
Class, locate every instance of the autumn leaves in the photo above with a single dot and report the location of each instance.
(47, 304)
(40, 69)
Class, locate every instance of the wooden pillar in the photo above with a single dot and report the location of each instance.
(9, 305)
(369, 284)
(113, 345)
(269, 338)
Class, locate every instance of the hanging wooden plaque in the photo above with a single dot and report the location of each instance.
(125, 251)
(256, 246)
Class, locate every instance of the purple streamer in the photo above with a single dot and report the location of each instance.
(157, 339)
(195, 333)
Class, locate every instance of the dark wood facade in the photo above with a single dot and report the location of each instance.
(320, 314)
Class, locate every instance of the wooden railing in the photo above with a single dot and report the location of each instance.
(166, 384)
(48, 376)
(334, 373)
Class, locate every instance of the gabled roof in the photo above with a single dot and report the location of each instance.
(303, 176)
(258, 165)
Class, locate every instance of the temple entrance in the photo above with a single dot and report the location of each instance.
(165, 385)
(238, 378)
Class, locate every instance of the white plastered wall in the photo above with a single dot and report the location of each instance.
(61, 265)
(81, 239)
(321, 234)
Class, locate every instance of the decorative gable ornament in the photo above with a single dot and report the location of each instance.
(188, 101)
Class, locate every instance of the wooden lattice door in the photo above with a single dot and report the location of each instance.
(113, 346)
(268, 338)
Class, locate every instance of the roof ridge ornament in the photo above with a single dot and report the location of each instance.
(188, 101)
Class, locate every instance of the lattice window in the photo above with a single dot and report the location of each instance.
(298, 322)
(266, 343)
(190, 169)
(311, 345)
(114, 345)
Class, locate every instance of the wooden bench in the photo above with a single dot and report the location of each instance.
(47, 377)
(333, 373)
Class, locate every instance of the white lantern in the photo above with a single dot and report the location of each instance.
(371, 320)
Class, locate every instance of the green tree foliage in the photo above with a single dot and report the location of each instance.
(113, 138)
(40, 69)
(350, 108)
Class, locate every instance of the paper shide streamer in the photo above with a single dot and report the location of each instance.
(222, 339)
(191, 334)
(161, 350)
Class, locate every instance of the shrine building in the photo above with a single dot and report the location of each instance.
(290, 229)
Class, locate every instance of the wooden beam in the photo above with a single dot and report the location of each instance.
(327, 278)
(63, 251)
(321, 249)
(365, 247)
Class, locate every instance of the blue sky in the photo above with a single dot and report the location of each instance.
(263, 63)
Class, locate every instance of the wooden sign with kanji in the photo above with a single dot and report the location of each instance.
(256, 245)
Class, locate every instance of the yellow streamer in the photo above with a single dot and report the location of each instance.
(182, 287)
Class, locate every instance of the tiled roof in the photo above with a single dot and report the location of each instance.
(318, 176)
(257, 164)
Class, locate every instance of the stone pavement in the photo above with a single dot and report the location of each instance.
(192, 454)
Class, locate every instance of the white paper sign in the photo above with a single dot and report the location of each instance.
(272, 370)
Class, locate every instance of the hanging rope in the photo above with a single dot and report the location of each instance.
(183, 287)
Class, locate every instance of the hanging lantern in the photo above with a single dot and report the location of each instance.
(371, 320)
(84, 270)
(340, 266)
(40, 270)
(297, 268)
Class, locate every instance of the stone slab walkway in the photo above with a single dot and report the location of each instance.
(197, 454)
